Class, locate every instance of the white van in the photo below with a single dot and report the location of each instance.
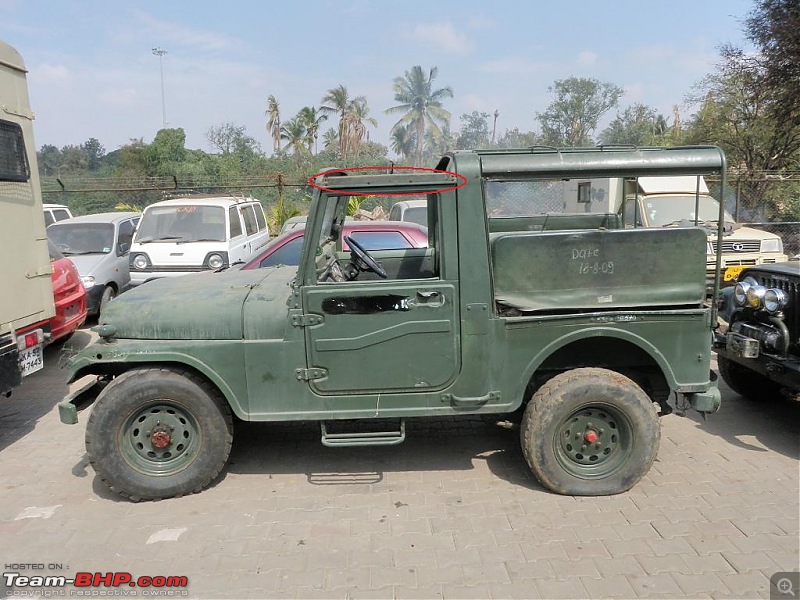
(192, 234)
(53, 213)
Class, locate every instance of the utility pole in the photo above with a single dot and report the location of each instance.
(494, 126)
(160, 54)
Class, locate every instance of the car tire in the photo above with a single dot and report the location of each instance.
(745, 382)
(158, 433)
(109, 293)
(590, 432)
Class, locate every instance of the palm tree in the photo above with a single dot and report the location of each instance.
(273, 113)
(312, 119)
(337, 101)
(421, 105)
(356, 122)
(330, 139)
(295, 133)
(404, 141)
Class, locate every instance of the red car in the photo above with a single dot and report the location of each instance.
(69, 296)
(372, 235)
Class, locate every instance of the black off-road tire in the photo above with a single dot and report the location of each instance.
(596, 405)
(158, 433)
(750, 384)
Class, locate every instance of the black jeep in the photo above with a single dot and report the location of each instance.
(759, 354)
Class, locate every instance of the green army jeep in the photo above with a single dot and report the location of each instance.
(585, 327)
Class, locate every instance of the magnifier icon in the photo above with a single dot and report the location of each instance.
(785, 586)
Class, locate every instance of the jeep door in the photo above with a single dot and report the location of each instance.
(383, 335)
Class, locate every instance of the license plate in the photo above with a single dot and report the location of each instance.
(31, 360)
(731, 273)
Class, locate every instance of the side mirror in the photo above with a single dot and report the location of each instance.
(123, 248)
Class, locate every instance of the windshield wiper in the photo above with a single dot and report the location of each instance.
(182, 241)
(159, 239)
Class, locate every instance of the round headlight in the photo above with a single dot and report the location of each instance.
(215, 261)
(755, 296)
(140, 261)
(774, 300)
(740, 292)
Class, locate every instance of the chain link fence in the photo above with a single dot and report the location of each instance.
(767, 201)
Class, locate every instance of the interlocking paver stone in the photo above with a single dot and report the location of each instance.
(452, 513)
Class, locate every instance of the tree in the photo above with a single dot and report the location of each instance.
(572, 117)
(514, 138)
(223, 137)
(94, 153)
(474, 132)
(132, 158)
(739, 112)
(273, 113)
(742, 113)
(438, 142)
(337, 101)
(74, 159)
(773, 27)
(420, 104)
(330, 139)
(403, 139)
(312, 119)
(295, 133)
(356, 121)
(166, 152)
(638, 125)
(49, 158)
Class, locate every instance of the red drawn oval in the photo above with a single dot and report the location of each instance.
(461, 178)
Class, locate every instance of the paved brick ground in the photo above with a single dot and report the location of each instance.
(452, 513)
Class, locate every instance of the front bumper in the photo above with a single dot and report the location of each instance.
(93, 296)
(706, 402)
(82, 397)
(747, 353)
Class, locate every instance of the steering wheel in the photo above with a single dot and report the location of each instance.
(363, 261)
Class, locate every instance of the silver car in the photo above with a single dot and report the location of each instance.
(99, 246)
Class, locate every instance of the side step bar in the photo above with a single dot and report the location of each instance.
(366, 438)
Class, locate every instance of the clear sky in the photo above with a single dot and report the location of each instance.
(93, 72)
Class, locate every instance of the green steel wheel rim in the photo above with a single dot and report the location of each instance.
(160, 439)
(594, 441)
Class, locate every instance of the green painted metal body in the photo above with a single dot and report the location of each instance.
(269, 341)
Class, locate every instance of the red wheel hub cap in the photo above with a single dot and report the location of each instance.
(160, 439)
(590, 437)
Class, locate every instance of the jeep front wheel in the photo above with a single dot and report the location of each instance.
(158, 433)
(590, 432)
(750, 384)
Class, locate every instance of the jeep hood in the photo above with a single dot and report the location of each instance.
(201, 306)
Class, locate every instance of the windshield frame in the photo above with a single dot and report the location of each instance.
(96, 238)
(182, 223)
(708, 209)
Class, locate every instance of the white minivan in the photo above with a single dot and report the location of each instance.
(191, 234)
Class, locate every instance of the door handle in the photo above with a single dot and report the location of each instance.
(432, 298)
(428, 294)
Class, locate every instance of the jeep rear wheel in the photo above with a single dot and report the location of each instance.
(590, 432)
(158, 433)
(750, 384)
